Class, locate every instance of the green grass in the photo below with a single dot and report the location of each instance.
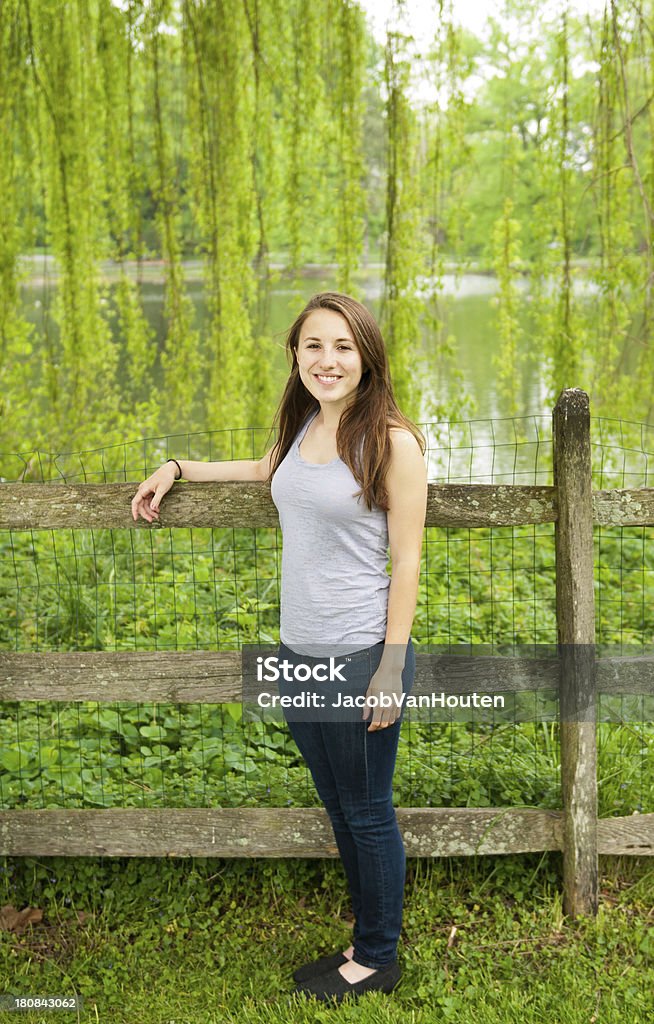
(189, 940)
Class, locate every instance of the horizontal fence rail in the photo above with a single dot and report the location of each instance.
(298, 832)
(275, 831)
(216, 677)
(38, 506)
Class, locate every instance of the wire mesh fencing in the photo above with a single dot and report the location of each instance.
(216, 589)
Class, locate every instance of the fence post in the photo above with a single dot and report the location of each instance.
(575, 616)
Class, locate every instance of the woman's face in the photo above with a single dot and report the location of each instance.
(328, 358)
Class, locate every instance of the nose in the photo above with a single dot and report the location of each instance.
(328, 359)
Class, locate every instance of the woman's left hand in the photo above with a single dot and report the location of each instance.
(386, 687)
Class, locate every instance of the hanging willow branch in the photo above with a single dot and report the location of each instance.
(15, 331)
(80, 367)
(446, 174)
(115, 44)
(347, 96)
(628, 129)
(402, 306)
(261, 262)
(181, 357)
(566, 363)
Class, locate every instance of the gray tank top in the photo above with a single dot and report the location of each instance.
(334, 591)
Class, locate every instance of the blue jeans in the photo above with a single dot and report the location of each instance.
(353, 773)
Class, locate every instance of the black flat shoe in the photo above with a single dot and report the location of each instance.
(333, 986)
(320, 966)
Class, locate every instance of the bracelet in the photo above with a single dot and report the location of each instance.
(178, 466)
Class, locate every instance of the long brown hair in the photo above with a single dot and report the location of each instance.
(367, 418)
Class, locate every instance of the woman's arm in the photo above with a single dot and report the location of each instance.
(159, 483)
(239, 469)
(406, 482)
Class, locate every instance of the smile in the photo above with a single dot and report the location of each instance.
(326, 379)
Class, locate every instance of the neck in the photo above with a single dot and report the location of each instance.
(329, 416)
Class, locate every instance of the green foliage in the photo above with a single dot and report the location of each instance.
(346, 94)
(445, 179)
(506, 252)
(15, 187)
(262, 136)
(125, 183)
(217, 589)
(405, 246)
(78, 382)
(180, 359)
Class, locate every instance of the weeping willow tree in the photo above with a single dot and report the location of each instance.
(347, 59)
(624, 196)
(266, 178)
(405, 238)
(594, 341)
(79, 360)
(563, 134)
(221, 176)
(643, 170)
(260, 135)
(445, 178)
(166, 129)
(16, 344)
(612, 198)
(507, 262)
(121, 82)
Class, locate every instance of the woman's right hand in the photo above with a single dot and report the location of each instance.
(157, 484)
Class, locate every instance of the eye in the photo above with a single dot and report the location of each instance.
(341, 345)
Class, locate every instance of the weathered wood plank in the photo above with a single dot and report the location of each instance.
(575, 615)
(215, 677)
(266, 832)
(147, 676)
(632, 674)
(624, 507)
(474, 505)
(241, 504)
(632, 835)
(297, 832)
(53, 506)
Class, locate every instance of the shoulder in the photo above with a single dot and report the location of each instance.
(406, 478)
(403, 442)
(407, 468)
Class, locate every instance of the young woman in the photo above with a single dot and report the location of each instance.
(349, 480)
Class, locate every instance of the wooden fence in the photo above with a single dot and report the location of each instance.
(214, 677)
